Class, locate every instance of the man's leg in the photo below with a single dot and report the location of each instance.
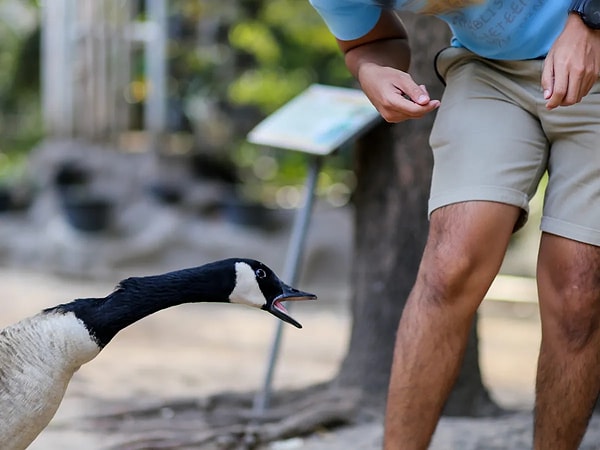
(568, 377)
(464, 250)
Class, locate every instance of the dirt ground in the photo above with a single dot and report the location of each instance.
(196, 350)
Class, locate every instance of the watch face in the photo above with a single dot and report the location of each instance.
(591, 12)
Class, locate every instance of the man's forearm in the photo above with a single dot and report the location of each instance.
(393, 53)
(385, 45)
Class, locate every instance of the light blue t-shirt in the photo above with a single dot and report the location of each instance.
(496, 29)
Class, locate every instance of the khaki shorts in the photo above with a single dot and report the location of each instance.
(493, 140)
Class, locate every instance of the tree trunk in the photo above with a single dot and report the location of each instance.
(393, 169)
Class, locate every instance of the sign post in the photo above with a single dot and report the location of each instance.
(317, 122)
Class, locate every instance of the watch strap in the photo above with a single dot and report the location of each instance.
(576, 5)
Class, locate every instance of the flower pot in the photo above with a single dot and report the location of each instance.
(87, 213)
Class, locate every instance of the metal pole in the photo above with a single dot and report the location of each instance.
(290, 275)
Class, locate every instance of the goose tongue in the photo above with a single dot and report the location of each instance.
(288, 294)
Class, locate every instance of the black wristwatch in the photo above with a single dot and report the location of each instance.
(589, 10)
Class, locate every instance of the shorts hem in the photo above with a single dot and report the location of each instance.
(480, 193)
(570, 231)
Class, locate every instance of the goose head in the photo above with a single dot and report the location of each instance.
(258, 286)
(235, 280)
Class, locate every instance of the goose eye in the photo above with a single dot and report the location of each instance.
(260, 273)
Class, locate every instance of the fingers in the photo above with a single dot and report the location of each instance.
(412, 101)
(548, 77)
(395, 94)
(572, 65)
(401, 106)
(418, 94)
(555, 83)
(568, 87)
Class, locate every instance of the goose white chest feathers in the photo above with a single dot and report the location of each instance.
(39, 355)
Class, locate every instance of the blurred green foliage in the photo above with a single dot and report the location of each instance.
(251, 52)
(292, 48)
(20, 116)
(230, 65)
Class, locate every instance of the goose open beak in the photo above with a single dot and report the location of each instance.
(288, 294)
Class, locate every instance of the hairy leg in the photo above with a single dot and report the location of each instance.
(464, 250)
(568, 377)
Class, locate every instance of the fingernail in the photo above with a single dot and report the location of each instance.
(547, 94)
(423, 99)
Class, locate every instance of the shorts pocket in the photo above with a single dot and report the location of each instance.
(448, 58)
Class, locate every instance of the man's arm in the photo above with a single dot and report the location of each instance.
(572, 65)
(380, 61)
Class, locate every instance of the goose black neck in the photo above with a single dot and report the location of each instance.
(138, 297)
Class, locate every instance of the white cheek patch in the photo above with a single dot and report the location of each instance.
(246, 290)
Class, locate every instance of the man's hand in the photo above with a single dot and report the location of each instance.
(379, 61)
(572, 65)
(394, 93)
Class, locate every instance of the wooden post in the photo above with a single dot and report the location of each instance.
(57, 94)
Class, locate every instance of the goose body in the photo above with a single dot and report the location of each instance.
(40, 354)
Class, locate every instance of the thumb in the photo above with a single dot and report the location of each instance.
(418, 94)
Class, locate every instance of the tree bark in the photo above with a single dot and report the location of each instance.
(393, 170)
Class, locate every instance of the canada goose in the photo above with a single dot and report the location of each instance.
(40, 354)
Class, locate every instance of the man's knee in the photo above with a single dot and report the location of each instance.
(570, 293)
(577, 315)
(465, 247)
(445, 277)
